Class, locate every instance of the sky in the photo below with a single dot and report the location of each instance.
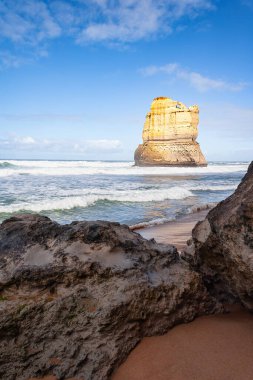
(77, 77)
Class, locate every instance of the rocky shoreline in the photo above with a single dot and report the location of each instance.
(76, 299)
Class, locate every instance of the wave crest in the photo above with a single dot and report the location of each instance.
(6, 164)
(64, 168)
(67, 203)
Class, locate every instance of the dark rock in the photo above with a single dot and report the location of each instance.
(222, 246)
(75, 299)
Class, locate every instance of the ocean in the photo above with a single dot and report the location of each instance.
(117, 191)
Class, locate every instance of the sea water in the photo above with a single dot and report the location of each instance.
(117, 191)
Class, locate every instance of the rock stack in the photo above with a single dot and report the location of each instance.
(169, 136)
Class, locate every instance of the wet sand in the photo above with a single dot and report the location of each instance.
(176, 232)
(209, 348)
(216, 347)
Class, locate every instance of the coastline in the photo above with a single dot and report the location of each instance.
(103, 190)
(175, 232)
(111, 288)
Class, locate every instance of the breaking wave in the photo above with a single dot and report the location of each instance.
(150, 223)
(5, 164)
(160, 221)
(64, 168)
(120, 191)
(68, 203)
(212, 187)
(201, 207)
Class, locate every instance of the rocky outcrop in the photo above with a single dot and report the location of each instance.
(75, 299)
(222, 246)
(169, 136)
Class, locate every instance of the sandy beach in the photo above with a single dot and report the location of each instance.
(175, 232)
(215, 347)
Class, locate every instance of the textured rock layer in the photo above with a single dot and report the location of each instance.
(222, 246)
(75, 299)
(169, 135)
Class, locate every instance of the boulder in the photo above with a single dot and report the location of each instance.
(222, 246)
(75, 299)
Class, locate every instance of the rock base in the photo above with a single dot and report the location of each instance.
(169, 153)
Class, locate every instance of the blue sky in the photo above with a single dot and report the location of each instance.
(77, 77)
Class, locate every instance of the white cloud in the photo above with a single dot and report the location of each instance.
(198, 81)
(32, 23)
(27, 22)
(42, 117)
(8, 59)
(130, 20)
(26, 140)
(29, 143)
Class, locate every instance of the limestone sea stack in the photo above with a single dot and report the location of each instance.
(169, 136)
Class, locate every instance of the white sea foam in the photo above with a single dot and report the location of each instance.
(159, 221)
(201, 207)
(150, 223)
(49, 204)
(209, 187)
(69, 202)
(134, 193)
(131, 187)
(65, 164)
(54, 187)
(63, 168)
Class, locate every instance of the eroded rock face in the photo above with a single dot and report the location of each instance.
(75, 299)
(222, 246)
(169, 135)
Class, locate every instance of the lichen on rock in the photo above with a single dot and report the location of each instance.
(169, 135)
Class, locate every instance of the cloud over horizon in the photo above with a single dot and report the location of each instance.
(31, 144)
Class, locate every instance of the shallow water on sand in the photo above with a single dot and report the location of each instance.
(76, 190)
